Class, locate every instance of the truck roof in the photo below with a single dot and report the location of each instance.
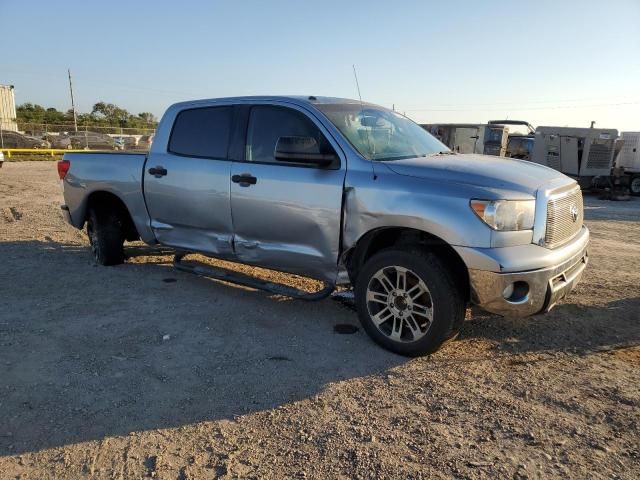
(297, 99)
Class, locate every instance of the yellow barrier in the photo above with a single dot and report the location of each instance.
(44, 151)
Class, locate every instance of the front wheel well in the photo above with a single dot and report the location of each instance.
(399, 237)
(106, 201)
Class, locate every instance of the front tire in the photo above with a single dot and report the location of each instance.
(106, 237)
(408, 302)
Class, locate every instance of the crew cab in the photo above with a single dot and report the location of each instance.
(346, 192)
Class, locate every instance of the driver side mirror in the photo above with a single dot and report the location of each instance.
(302, 150)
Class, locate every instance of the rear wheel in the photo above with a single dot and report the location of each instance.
(634, 185)
(106, 237)
(408, 302)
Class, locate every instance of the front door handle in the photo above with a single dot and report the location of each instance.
(158, 171)
(244, 179)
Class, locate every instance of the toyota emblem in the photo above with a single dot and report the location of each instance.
(573, 210)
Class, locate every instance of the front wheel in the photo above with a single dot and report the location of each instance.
(408, 301)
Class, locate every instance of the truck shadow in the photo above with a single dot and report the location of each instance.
(88, 352)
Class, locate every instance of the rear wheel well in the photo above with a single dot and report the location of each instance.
(106, 201)
(380, 239)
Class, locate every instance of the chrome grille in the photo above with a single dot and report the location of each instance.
(561, 210)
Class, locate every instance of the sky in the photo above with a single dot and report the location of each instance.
(548, 62)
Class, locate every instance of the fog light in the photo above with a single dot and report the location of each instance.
(508, 291)
(516, 292)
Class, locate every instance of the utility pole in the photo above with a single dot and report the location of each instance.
(73, 106)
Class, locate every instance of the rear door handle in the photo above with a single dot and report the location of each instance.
(157, 171)
(244, 179)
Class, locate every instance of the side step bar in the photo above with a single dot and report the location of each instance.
(247, 281)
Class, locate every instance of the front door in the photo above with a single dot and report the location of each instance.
(287, 216)
(186, 187)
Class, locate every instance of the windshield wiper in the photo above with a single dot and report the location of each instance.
(401, 157)
(407, 157)
(449, 152)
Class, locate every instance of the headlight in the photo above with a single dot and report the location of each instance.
(506, 215)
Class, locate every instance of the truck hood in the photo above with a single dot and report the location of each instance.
(480, 170)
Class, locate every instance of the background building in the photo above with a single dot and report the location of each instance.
(8, 108)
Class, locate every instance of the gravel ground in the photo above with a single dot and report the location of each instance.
(141, 371)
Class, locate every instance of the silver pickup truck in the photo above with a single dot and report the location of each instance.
(347, 193)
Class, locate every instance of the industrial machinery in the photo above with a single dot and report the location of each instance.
(628, 159)
(581, 153)
(471, 138)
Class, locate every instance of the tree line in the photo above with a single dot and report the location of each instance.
(107, 117)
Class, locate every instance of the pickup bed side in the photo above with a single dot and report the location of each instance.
(107, 178)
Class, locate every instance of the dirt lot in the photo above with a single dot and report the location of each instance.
(247, 385)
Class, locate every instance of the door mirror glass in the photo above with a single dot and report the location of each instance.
(302, 150)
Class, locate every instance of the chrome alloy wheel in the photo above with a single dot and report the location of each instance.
(399, 304)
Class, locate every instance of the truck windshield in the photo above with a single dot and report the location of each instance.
(380, 134)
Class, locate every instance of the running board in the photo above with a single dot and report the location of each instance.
(248, 281)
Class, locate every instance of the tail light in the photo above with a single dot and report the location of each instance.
(63, 168)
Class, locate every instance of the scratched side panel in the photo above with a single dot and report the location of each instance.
(290, 219)
(189, 207)
(392, 200)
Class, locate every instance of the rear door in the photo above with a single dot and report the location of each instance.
(186, 186)
(289, 219)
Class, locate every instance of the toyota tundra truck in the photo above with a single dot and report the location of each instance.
(345, 192)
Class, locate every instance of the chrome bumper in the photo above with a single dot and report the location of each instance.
(546, 286)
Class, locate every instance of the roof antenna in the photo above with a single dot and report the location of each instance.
(355, 75)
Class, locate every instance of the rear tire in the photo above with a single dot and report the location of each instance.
(106, 237)
(408, 301)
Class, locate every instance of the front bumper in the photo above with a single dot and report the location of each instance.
(544, 286)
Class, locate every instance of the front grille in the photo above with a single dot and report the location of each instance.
(561, 211)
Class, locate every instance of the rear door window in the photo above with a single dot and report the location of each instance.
(202, 132)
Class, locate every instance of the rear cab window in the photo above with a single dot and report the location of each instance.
(202, 132)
